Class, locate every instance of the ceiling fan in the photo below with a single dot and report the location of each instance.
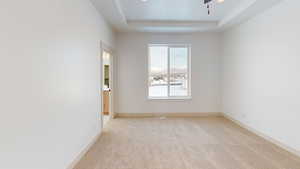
(207, 3)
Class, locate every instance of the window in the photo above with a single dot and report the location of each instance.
(169, 72)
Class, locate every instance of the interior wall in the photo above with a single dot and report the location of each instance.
(50, 81)
(132, 80)
(260, 73)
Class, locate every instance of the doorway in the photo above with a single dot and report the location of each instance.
(106, 90)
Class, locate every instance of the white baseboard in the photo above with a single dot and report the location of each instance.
(149, 115)
(84, 151)
(266, 137)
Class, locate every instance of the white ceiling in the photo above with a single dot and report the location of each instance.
(177, 15)
(182, 10)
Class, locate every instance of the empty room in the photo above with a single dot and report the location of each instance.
(149, 84)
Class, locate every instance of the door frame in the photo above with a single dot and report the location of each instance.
(108, 49)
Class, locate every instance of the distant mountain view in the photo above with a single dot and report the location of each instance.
(177, 77)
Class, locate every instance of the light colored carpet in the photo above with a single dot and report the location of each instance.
(183, 143)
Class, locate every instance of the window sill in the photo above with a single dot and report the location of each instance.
(170, 98)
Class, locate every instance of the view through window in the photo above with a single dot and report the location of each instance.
(169, 71)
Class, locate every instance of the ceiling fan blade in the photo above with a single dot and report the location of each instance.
(207, 1)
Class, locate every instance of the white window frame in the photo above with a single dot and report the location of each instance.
(189, 96)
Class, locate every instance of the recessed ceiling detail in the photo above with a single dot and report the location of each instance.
(182, 10)
(178, 15)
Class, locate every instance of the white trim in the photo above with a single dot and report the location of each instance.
(190, 71)
(168, 114)
(170, 98)
(111, 85)
(266, 137)
(101, 84)
(189, 96)
(169, 72)
(84, 151)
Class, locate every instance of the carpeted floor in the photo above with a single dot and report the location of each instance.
(183, 143)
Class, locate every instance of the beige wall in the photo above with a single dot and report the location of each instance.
(50, 79)
(260, 72)
(133, 70)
